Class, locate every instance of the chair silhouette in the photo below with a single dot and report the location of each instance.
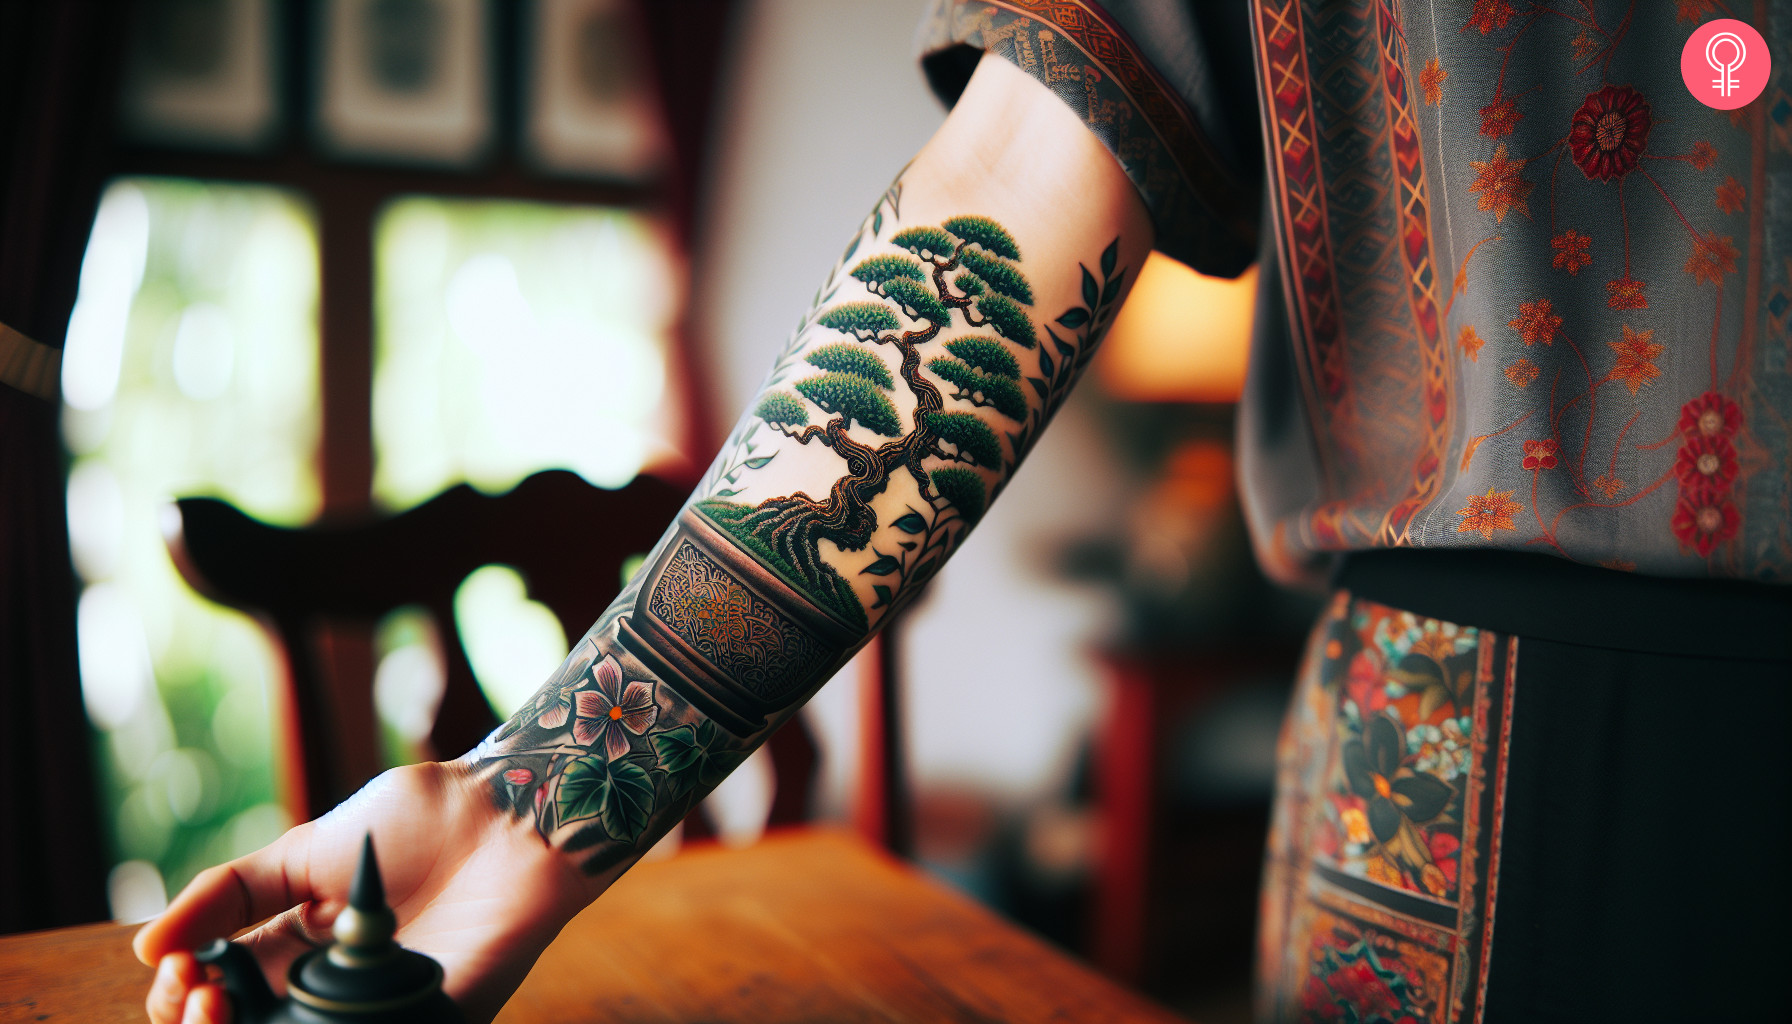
(568, 538)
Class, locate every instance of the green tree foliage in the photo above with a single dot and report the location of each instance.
(976, 443)
(854, 397)
(970, 283)
(999, 274)
(782, 409)
(963, 488)
(863, 319)
(986, 354)
(878, 271)
(985, 232)
(1006, 319)
(925, 242)
(845, 357)
(917, 300)
(1000, 393)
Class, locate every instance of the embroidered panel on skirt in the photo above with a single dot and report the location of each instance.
(1378, 897)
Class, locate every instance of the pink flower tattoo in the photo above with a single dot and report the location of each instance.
(611, 711)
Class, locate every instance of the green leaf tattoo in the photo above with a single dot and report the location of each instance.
(619, 794)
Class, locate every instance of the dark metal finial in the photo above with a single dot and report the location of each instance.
(365, 926)
(367, 893)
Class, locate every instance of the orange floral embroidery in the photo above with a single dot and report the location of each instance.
(1583, 45)
(1626, 293)
(1489, 15)
(1540, 454)
(1571, 251)
(1536, 322)
(1499, 119)
(1608, 484)
(1431, 79)
(1500, 184)
(1730, 195)
(1703, 155)
(1522, 372)
(1487, 513)
(1470, 342)
(1712, 257)
(1636, 358)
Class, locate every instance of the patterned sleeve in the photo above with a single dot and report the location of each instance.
(1164, 86)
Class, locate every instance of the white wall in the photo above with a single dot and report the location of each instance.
(822, 104)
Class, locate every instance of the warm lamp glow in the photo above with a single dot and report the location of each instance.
(1181, 337)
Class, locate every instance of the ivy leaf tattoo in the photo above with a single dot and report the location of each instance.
(619, 794)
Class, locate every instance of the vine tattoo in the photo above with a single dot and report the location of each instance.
(921, 371)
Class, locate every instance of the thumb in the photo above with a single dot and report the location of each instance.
(221, 901)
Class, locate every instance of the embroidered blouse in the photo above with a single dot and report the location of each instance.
(1520, 289)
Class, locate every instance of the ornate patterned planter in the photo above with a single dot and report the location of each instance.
(727, 632)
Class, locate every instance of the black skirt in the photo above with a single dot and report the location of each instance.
(1514, 788)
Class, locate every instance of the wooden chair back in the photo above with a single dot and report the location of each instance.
(566, 537)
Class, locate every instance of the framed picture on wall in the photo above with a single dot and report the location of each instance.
(592, 106)
(405, 80)
(202, 73)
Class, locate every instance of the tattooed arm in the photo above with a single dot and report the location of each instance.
(956, 321)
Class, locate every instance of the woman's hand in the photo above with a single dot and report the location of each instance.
(476, 889)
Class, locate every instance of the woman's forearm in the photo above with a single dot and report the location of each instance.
(958, 318)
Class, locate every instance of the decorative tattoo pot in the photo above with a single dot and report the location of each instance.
(727, 631)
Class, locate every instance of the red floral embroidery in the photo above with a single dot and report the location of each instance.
(1358, 986)
(1366, 684)
(1498, 119)
(1703, 155)
(1489, 15)
(1706, 464)
(1536, 322)
(1571, 251)
(1692, 10)
(1540, 454)
(1626, 293)
(1712, 257)
(1443, 853)
(1608, 133)
(1730, 195)
(1702, 522)
(1710, 415)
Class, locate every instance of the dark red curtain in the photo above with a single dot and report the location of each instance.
(58, 79)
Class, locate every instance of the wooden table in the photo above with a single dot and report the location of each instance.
(807, 925)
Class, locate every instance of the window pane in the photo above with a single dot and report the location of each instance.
(190, 369)
(514, 337)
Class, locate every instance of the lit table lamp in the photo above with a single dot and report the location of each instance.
(1181, 337)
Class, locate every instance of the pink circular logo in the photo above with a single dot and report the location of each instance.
(1725, 64)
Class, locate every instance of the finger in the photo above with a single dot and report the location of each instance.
(207, 1004)
(175, 977)
(287, 937)
(224, 900)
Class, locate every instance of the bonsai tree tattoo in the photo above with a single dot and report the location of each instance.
(961, 274)
(921, 371)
